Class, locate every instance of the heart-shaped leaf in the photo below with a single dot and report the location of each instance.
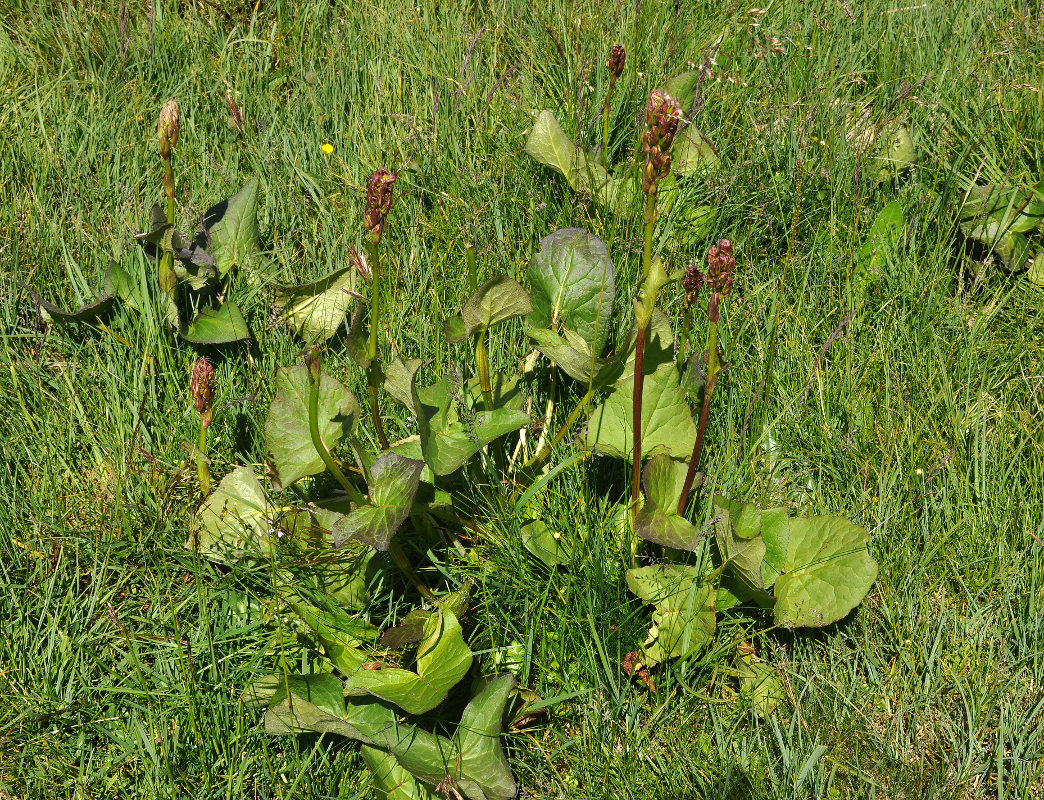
(667, 426)
(219, 325)
(288, 441)
(658, 520)
(447, 441)
(394, 486)
(234, 519)
(318, 309)
(443, 659)
(549, 145)
(573, 285)
(827, 572)
(231, 229)
(897, 153)
(498, 299)
(683, 620)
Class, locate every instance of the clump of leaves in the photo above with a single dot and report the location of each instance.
(1004, 219)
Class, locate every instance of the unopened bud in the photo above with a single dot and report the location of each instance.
(692, 283)
(720, 265)
(202, 387)
(617, 56)
(378, 201)
(168, 128)
(662, 116)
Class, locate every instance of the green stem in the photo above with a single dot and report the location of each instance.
(317, 440)
(398, 555)
(713, 368)
(202, 465)
(538, 461)
(639, 358)
(605, 121)
(373, 371)
(482, 362)
(168, 280)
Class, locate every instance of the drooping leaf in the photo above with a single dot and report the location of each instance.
(234, 519)
(482, 771)
(827, 573)
(52, 313)
(231, 229)
(288, 441)
(498, 299)
(573, 285)
(316, 703)
(391, 781)
(394, 486)
(340, 634)
(683, 621)
(447, 441)
(125, 286)
(318, 309)
(667, 426)
(549, 145)
(658, 520)
(219, 325)
(443, 659)
(571, 352)
(398, 380)
(693, 153)
(545, 544)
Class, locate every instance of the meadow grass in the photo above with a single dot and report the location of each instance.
(123, 658)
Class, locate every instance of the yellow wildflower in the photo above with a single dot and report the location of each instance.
(328, 148)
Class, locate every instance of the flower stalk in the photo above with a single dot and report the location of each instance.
(202, 387)
(663, 114)
(378, 205)
(615, 65)
(167, 131)
(314, 376)
(720, 264)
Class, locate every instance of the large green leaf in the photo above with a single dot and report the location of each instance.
(392, 781)
(498, 299)
(234, 520)
(545, 544)
(658, 520)
(315, 703)
(881, 243)
(398, 380)
(394, 486)
(1000, 216)
(217, 325)
(482, 770)
(753, 542)
(572, 353)
(447, 441)
(683, 89)
(667, 426)
(573, 285)
(231, 229)
(827, 573)
(443, 659)
(897, 152)
(759, 683)
(288, 442)
(692, 153)
(683, 620)
(340, 634)
(318, 309)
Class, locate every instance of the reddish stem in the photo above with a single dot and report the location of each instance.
(636, 419)
(708, 390)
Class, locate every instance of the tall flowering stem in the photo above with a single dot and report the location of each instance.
(314, 377)
(167, 131)
(692, 284)
(721, 264)
(615, 65)
(202, 387)
(378, 205)
(662, 116)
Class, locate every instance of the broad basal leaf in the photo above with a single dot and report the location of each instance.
(443, 659)
(882, 242)
(999, 217)
(760, 684)
(219, 325)
(288, 441)
(683, 621)
(572, 354)
(693, 153)
(234, 519)
(231, 229)
(394, 486)
(398, 380)
(482, 772)
(683, 89)
(448, 441)
(827, 572)
(753, 542)
(897, 153)
(498, 299)
(667, 426)
(340, 634)
(658, 520)
(392, 781)
(318, 309)
(572, 280)
(549, 145)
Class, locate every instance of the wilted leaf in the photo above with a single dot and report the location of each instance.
(573, 285)
(394, 486)
(288, 440)
(443, 659)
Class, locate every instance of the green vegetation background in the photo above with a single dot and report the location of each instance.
(122, 660)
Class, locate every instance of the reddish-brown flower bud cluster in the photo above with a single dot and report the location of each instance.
(662, 117)
(168, 128)
(692, 283)
(720, 264)
(202, 387)
(617, 56)
(378, 201)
